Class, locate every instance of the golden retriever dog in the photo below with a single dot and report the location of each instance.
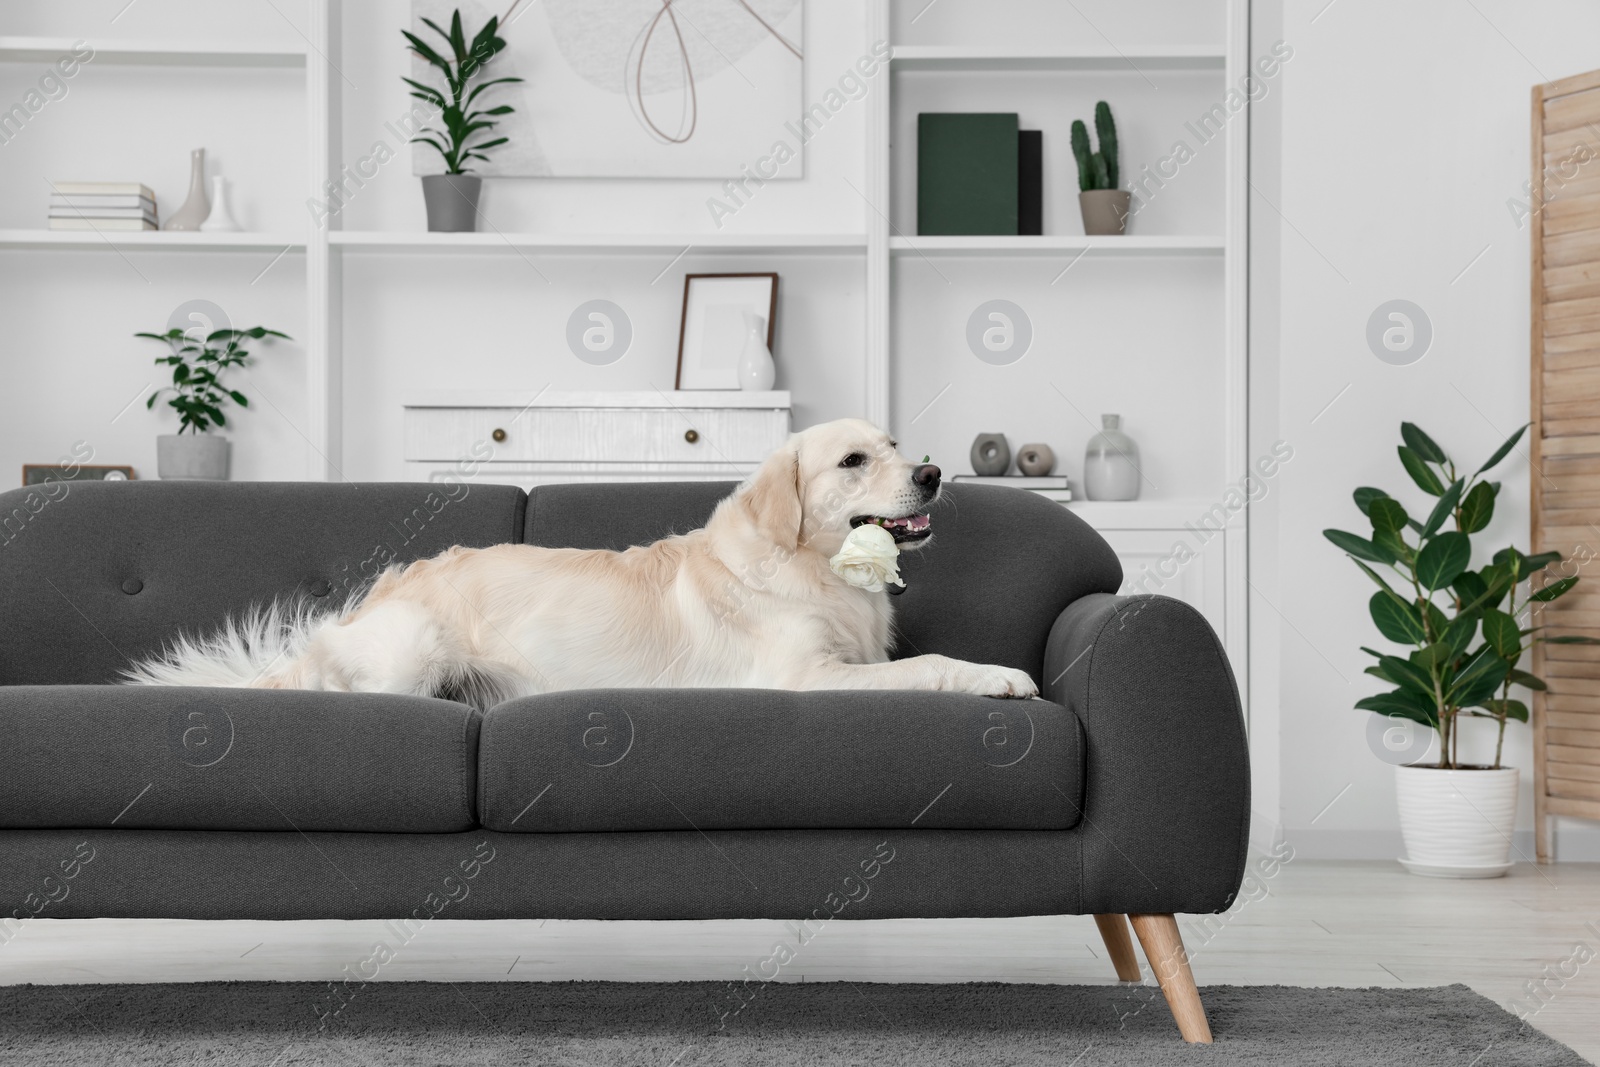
(750, 600)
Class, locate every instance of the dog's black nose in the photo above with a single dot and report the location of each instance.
(926, 475)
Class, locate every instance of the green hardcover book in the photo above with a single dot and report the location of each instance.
(966, 173)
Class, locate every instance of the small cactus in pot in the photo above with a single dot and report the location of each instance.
(1104, 206)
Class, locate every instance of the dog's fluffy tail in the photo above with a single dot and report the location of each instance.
(258, 650)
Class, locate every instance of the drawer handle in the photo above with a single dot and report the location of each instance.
(691, 436)
(498, 435)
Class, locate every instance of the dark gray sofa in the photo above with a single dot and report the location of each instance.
(1123, 792)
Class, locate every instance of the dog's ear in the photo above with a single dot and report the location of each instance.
(772, 498)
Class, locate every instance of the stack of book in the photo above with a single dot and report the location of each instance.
(1050, 486)
(102, 206)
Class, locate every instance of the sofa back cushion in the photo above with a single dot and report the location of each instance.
(1002, 564)
(94, 575)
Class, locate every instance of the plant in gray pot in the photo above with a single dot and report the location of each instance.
(197, 396)
(452, 197)
(1104, 206)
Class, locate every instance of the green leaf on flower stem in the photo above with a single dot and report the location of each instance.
(1420, 472)
(1477, 507)
(1359, 547)
(1438, 622)
(1366, 495)
(1501, 452)
(1374, 575)
(1443, 509)
(1555, 589)
(1421, 443)
(1392, 542)
(1479, 678)
(1402, 704)
(1571, 639)
(1502, 632)
(1408, 675)
(1459, 633)
(1511, 709)
(1435, 655)
(1396, 619)
(1470, 588)
(1387, 513)
(1537, 562)
(1442, 559)
(1523, 678)
(1380, 674)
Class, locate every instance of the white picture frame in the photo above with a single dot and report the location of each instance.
(712, 331)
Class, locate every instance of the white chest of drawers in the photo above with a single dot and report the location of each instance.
(530, 439)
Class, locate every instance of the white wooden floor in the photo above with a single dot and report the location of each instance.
(1308, 923)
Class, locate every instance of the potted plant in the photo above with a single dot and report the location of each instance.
(1467, 631)
(1104, 206)
(452, 197)
(197, 396)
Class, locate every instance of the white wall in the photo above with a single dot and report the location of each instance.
(1404, 130)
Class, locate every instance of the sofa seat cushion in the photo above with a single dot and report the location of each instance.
(137, 757)
(767, 759)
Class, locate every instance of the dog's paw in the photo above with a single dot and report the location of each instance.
(992, 681)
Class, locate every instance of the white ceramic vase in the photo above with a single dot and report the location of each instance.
(1457, 824)
(756, 369)
(220, 220)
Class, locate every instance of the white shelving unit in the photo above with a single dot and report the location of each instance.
(1206, 256)
(152, 240)
(1145, 533)
(1132, 245)
(155, 53)
(601, 244)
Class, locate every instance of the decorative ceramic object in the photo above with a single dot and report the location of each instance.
(1111, 463)
(991, 456)
(221, 218)
(1104, 211)
(197, 206)
(1457, 824)
(192, 456)
(1036, 460)
(756, 369)
(452, 201)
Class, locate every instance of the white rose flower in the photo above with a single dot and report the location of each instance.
(868, 559)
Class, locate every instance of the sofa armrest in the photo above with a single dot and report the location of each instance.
(1167, 769)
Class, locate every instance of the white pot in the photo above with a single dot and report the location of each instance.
(1457, 824)
(192, 456)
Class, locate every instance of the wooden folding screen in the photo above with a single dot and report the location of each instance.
(1565, 441)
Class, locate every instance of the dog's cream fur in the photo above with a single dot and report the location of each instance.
(749, 600)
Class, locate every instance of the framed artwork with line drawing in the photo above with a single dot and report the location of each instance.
(711, 333)
(639, 88)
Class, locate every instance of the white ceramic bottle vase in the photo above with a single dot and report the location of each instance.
(198, 205)
(756, 369)
(221, 218)
(1111, 463)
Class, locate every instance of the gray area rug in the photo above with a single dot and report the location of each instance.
(685, 1024)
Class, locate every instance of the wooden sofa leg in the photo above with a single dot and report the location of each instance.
(1163, 947)
(1114, 932)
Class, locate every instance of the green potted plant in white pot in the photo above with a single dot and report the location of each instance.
(452, 197)
(198, 396)
(1466, 631)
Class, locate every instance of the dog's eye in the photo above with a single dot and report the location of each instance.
(854, 459)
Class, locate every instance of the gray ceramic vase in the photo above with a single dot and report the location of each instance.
(452, 201)
(197, 207)
(1105, 211)
(1036, 460)
(192, 457)
(991, 456)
